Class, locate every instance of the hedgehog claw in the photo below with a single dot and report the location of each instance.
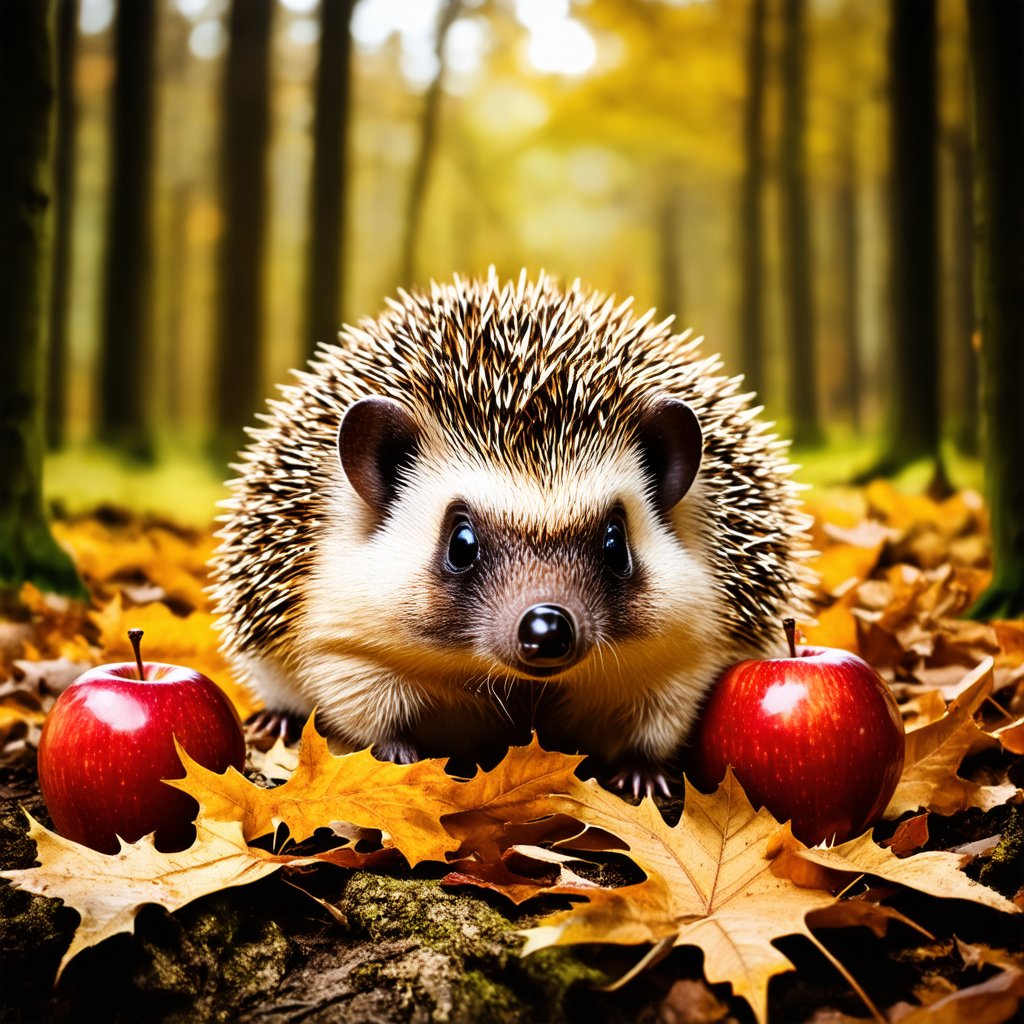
(640, 782)
(264, 728)
(400, 751)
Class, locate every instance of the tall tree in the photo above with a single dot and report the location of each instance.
(125, 419)
(912, 421)
(997, 67)
(751, 217)
(245, 133)
(327, 192)
(961, 360)
(64, 197)
(429, 123)
(801, 358)
(848, 230)
(670, 243)
(27, 89)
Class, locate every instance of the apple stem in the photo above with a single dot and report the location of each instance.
(135, 635)
(789, 625)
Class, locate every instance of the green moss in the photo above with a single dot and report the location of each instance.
(467, 948)
(423, 910)
(1005, 870)
(211, 956)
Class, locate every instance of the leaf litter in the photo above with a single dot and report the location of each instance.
(896, 572)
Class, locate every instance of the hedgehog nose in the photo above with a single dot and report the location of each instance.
(547, 636)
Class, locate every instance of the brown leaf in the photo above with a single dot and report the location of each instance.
(935, 751)
(989, 1002)
(691, 1002)
(977, 954)
(935, 873)
(910, 835)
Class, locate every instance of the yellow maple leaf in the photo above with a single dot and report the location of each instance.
(421, 810)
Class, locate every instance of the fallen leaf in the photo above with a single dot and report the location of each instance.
(977, 954)
(422, 811)
(108, 890)
(910, 835)
(935, 873)
(989, 1002)
(934, 753)
(1011, 736)
(851, 554)
(710, 884)
(691, 1002)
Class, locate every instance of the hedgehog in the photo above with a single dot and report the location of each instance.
(504, 508)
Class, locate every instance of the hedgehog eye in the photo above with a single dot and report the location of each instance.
(463, 547)
(616, 548)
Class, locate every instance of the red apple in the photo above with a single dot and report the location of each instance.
(816, 738)
(109, 741)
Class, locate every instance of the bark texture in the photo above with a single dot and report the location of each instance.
(752, 339)
(912, 421)
(245, 132)
(798, 298)
(429, 128)
(64, 195)
(997, 61)
(27, 93)
(327, 217)
(126, 347)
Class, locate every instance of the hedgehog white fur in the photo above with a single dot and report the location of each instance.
(632, 530)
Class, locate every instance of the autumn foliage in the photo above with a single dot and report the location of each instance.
(723, 876)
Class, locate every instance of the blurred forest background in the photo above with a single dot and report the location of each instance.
(234, 178)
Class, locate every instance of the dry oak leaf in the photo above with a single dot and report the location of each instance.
(989, 1002)
(934, 752)
(710, 884)
(934, 873)
(422, 811)
(108, 890)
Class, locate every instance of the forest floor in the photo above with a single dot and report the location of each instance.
(340, 926)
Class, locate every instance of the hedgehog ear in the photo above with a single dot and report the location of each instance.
(670, 446)
(377, 440)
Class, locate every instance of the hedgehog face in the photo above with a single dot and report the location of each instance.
(533, 596)
(523, 576)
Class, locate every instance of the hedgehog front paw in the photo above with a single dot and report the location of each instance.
(399, 749)
(639, 779)
(264, 728)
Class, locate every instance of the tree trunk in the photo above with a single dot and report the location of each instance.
(848, 230)
(801, 360)
(327, 191)
(670, 238)
(125, 419)
(913, 429)
(751, 219)
(64, 196)
(997, 63)
(243, 188)
(963, 361)
(425, 152)
(27, 90)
